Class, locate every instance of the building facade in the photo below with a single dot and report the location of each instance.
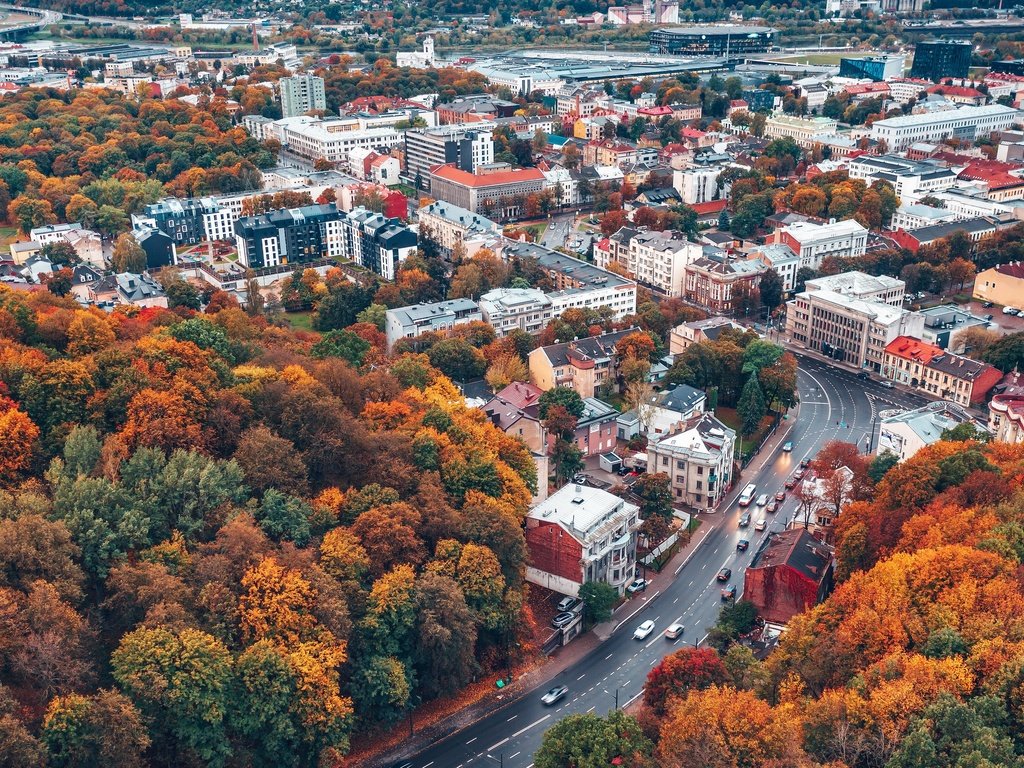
(501, 193)
(301, 94)
(935, 59)
(788, 577)
(516, 309)
(1002, 284)
(713, 40)
(659, 259)
(467, 148)
(451, 225)
(905, 433)
(417, 319)
(698, 461)
(814, 242)
(965, 123)
(588, 365)
(929, 369)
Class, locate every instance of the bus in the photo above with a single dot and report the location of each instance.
(747, 495)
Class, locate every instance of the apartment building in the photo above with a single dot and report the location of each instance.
(587, 365)
(719, 282)
(501, 193)
(417, 319)
(1006, 409)
(301, 94)
(965, 123)
(805, 131)
(696, 185)
(698, 461)
(289, 236)
(466, 148)
(376, 242)
(659, 259)
(451, 225)
(475, 108)
(581, 534)
(845, 326)
(812, 242)
(917, 216)
(929, 369)
(906, 432)
(976, 230)
(595, 428)
(697, 331)
(510, 309)
(911, 179)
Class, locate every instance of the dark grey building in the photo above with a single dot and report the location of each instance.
(936, 59)
(712, 40)
(467, 148)
(181, 220)
(289, 236)
(159, 247)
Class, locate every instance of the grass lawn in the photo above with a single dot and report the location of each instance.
(302, 321)
(408, 191)
(731, 419)
(538, 230)
(8, 235)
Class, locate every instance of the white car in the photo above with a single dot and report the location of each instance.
(643, 630)
(760, 524)
(762, 500)
(1010, 310)
(674, 631)
(554, 695)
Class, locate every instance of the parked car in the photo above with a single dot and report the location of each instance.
(742, 545)
(673, 631)
(638, 585)
(761, 524)
(563, 620)
(724, 574)
(729, 593)
(787, 447)
(799, 475)
(988, 305)
(554, 695)
(772, 508)
(805, 463)
(780, 496)
(643, 630)
(762, 499)
(745, 520)
(566, 604)
(1009, 310)
(863, 375)
(888, 384)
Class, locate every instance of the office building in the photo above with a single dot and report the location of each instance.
(581, 534)
(301, 94)
(511, 309)
(805, 131)
(501, 193)
(698, 461)
(464, 148)
(965, 123)
(877, 68)
(712, 40)
(852, 324)
(417, 319)
(814, 242)
(936, 59)
(911, 179)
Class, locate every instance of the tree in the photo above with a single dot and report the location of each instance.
(505, 369)
(18, 746)
(180, 293)
(881, 464)
(18, 435)
(751, 406)
(344, 344)
(770, 288)
(655, 494)
(96, 731)
(678, 673)
(59, 283)
(566, 397)
(457, 359)
(285, 517)
(269, 461)
(1007, 353)
(128, 255)
(180, 681)
(567, 459)
(446, 634)
(590, 741)
(598, 600)
(30, 212)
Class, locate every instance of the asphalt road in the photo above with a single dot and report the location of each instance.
(835, 404)
(558, 231)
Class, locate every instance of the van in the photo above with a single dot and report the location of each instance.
(747, 495)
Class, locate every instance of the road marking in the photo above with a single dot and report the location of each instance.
(675, 601)
(581, 677)
(690, 584)
(608, 656)
(510, 757)
(531, 725)
(653, 641)
(591, 709)
(633, 699)
(495, 746)
(472, 740)
(507, 721)
(429, 764)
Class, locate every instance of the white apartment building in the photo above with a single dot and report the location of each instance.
(698, 461)
(967, 123)
(911, 179)
(902, 90)
(851, 317)
(907, 432)
(806, 131)
(509, 309)
(417, 319)
(450, 225)
(970, 203)
(917, 216)
(782, 259)
(696, 185)
(659, 259)
(813, 242)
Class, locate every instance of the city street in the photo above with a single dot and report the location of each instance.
(558, 231)
(835, 404)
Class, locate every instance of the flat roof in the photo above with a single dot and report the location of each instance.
(580, 507)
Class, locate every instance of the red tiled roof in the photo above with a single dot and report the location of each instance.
(1015, 269)
(711, 206)
(910, 348)
(866, 88)
(451, 173)
(956, 90)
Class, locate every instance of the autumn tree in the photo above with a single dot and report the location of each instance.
(678, 673)
(590, 741)
(104, 729)
(128, 255)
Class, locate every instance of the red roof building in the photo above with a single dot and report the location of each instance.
(936, 372)
(501, 193)
(959, 94)
(791, 575)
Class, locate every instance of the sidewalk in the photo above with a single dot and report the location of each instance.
(550, 668)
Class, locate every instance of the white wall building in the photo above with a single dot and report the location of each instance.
(813, 242)
(696, 185)
(659, 259)
(967, 123)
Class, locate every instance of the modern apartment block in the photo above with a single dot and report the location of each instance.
(466, 148)
(511, 309)
(935, 59)
(813, 242)
(659, 259)
(301, 94)
(853, 324)
(965, 123)
(376, 242)
(698, 461)
(417, 319)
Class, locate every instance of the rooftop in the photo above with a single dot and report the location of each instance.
(799, 550)
(929, 421)
(458, 176)
(855, 283)
(964, 113)
(416, 313)
(805, 231)
(580, 509)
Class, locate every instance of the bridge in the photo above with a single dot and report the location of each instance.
(37, 19)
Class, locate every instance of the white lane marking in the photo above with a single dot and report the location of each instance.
(507, 721)
(472, 740)
(581, 677)
(531, 725)
(429, 764)
(495, 746)
(608, 656)
(653, 641)
(515, 755)
(633, 699)
(591, 709)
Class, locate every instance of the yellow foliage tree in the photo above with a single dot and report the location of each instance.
(277, 604)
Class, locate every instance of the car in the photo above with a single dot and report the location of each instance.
(787, 447)
(799, 475)
(638, 585)
(990, 317)
(674, 631)
(780, 496)
(1009, 310)
(554, 695)
(762, 500)
(724, 574)
(579, 478)
(888, 385)
(791, 481)
(742, 545)
(623, 470)
(729, 593)
(566, 604)
(988, 305)
(643, 630)
(563, 619)
(863, 375)
(761, 524)
(772, 508)
(805, 463)
(745, 520)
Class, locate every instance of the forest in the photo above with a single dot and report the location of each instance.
(222, 543)
(915, 661)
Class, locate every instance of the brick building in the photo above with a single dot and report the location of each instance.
(792, 574)
(930, 369)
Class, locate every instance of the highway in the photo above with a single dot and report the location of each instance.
(835, 404)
